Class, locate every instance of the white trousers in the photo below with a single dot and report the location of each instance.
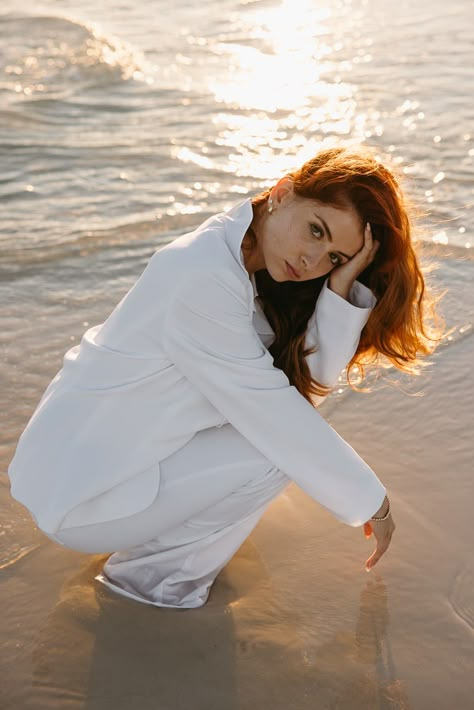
(212, 493)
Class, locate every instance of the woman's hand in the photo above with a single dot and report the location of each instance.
(342, 277)
(383, 531)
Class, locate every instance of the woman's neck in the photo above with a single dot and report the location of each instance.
(253, 257)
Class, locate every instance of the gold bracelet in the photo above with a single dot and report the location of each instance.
(386, 514)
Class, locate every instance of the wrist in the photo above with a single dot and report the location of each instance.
(383, 511)
(342, 289)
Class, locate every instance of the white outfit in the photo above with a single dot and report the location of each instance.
(212, 493)
(186, 351)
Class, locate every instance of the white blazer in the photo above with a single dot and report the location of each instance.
(184, 350)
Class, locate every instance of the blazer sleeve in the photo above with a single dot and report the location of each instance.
(208, 335)
(335, 328)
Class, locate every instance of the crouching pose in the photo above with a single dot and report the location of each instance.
(173, 424)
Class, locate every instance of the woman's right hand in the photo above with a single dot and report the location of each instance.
(383, 531)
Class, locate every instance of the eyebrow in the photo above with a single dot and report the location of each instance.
(330, 236)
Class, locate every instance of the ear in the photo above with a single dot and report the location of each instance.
(283, 189)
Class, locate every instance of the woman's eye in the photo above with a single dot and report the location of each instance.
(317, 231)
(335, 259)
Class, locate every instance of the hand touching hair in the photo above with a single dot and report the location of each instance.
(403, 326)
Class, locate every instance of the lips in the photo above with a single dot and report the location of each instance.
(292, 271)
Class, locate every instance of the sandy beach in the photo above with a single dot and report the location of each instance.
(294, 621)
(123, 127)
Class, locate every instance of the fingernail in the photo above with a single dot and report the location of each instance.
(367, 569)
(367, 226)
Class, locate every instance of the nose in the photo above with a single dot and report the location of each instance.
(313, 259)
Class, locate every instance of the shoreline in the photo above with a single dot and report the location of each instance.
(294, 618)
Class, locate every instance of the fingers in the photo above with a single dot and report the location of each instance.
(383, 541)
(376, 556)
(368, 250)
(370, 244)
(350, 270)
(368, 239)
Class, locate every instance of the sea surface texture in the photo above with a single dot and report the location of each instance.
(125, 124)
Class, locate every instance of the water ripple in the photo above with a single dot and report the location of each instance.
(17, 555)
(461, 598)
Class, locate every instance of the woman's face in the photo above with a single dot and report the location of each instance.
(309, 236)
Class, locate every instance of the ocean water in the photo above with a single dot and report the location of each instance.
(125, 122)
(123, 125)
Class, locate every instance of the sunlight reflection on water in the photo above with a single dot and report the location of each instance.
(142, 107)
(282, 89)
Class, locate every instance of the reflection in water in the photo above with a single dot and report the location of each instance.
(356, 671)
(373, 644)
(282, 89)
(97, 649)
(100, 650)
(283, 72)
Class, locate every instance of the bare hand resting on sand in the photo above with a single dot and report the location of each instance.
(383, 531)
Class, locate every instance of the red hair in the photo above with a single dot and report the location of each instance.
(403, 326)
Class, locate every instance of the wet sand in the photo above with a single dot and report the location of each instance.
(114, 141)
(294, 621)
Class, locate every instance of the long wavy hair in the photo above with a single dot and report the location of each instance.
(403, 326)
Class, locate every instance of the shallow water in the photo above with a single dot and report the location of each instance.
(124, 125)
(126, 120)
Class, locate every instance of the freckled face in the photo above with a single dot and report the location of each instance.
(310, 236)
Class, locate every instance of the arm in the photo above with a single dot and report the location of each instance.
(335, 329)
(209, 337)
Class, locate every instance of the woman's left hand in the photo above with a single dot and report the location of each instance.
(342, 277)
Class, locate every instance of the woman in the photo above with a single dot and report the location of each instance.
(174, 423)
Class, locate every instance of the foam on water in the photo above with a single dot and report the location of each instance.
(114, 117)
(122, 127)
(58, 56)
